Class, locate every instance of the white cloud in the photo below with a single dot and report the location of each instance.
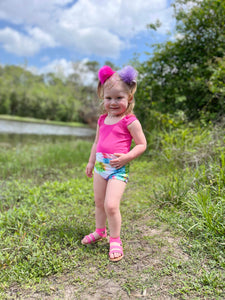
(18, 43)
(89, 41)
(97, 27)
(64, 68)
(25, 45)
(58, 66)
(42, 37)
(31, 12)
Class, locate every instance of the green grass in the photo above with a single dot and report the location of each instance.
(173, 221)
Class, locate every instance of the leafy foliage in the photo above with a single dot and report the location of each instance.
(188, 74)
(25, 94)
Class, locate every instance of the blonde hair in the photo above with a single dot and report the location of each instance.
(110, 82)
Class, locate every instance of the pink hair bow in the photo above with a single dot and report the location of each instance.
(104, 73)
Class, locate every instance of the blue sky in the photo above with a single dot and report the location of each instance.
(49, 35)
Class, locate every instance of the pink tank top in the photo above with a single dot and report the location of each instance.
(114, 138)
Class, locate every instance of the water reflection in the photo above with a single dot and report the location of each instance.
(13, 133)
(9, 140)
(17, 127)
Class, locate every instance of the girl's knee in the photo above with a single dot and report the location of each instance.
(99, 202)
(111, 209)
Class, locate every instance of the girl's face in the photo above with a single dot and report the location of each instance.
(116, 99)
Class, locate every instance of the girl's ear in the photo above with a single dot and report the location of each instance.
(131, 97)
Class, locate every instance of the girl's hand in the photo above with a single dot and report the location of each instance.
(120, 161)
(89, 169)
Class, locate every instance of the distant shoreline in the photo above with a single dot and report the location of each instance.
(40, 121)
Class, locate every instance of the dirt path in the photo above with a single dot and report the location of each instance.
(144, 273)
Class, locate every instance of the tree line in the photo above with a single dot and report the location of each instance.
(23, 93)
(183, 76)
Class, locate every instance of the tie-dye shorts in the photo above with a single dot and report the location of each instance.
(103, 168)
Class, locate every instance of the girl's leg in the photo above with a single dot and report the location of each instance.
(114, 191)
(100, 185)
(100, 216)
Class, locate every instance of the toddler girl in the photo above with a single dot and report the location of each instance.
(110, 153)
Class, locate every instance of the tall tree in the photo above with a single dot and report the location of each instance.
(178, 75)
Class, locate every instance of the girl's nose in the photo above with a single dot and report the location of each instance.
(114, 101)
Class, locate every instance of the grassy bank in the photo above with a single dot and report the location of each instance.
(33, 120)
(173, 221)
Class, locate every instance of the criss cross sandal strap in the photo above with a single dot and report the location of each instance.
(115, 247)
(91, 239)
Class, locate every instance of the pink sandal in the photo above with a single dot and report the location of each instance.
(115, 248)
(91, 238)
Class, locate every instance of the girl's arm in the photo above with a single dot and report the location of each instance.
(91, 161)
(140, 146)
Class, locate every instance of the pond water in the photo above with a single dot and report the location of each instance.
(17, 127)
(14, 132)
